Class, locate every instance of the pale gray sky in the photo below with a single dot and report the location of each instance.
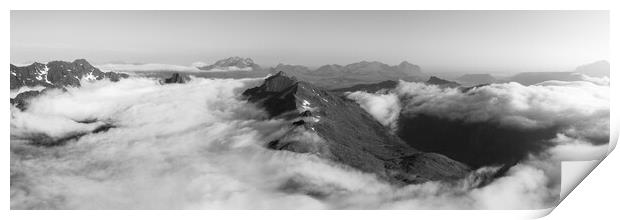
(439, 41)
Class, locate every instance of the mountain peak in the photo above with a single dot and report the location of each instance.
(345, 133)
(231, 64)
(278, 82)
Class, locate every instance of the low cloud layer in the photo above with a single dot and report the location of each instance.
(200, 146)
(580, 108)
(576, 112)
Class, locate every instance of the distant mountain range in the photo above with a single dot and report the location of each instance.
(58, 74)
(329, 76)
(332, 76)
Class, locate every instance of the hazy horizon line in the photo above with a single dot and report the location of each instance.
(311, 67)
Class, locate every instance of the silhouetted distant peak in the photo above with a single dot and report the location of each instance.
(442, 82)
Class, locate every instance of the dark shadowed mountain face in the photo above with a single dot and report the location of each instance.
(58, 74)
(370, 88)
(475, 144)
(231, 64)
(343, 132)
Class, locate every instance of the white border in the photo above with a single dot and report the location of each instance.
(594, 198)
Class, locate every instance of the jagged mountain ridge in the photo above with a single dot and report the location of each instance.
(58, 74)
(348, 134)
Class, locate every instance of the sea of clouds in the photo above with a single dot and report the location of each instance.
(200, 145)
(579, 111)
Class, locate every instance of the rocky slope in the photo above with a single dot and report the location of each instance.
(339, 129)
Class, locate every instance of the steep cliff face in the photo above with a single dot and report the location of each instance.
(342, 131)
